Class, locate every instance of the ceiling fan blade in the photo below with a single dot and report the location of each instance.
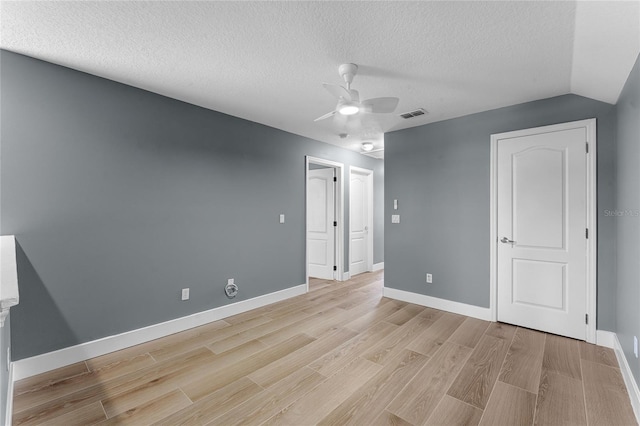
(380, 105)
(337, 91)
(327, 115)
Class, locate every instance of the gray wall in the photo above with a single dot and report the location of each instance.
(440, 175)
(628, 224)
(119, 198)
(5, 338)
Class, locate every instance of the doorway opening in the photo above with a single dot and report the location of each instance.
(360, 220)
(324, 219)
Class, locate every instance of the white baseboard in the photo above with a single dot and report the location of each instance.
(50, 361)
(9, 407)
(346, 276)
(378, 266)
(606, 339)
(627, 375)
(436, 303)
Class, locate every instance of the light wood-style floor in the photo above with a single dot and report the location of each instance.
(340, 354)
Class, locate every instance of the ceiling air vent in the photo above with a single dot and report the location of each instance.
(415, 113)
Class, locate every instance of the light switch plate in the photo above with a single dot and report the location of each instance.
(281, 218)
(185, 294)
(395, 218)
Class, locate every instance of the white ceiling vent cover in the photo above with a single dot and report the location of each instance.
(415, 113)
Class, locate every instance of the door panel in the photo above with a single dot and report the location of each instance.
(538, 198)
(318, 253)
(358, 250)
(318, 214)
(320, 217)
(541, 227)
(541, 284)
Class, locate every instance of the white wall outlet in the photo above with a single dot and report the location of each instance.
(281, 218)
(185, 294)
(635, 346)
(395, 218)
(429, 278)
(231, 281)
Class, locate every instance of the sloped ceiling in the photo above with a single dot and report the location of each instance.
(265, 61)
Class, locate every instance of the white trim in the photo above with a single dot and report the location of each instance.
(436, 303)
(339, 206)
(49, 361)
(592, 221)
(627, 375)
(493, 230)
(606, 339)
(369, 175)
(9, 295)
(378, 266)
(9, 407)
(592, 242)
(346, 276)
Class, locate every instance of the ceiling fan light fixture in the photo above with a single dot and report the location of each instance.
(367, 146)
(348, 108)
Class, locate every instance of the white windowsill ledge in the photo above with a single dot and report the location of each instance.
(8, 276)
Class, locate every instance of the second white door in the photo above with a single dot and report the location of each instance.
(359, 221)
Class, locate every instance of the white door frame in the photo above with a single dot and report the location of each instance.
(591, 192)
(369, 175)
(339, 206)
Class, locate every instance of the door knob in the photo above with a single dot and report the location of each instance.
(506, 240)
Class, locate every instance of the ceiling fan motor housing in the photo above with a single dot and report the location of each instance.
(347, 72)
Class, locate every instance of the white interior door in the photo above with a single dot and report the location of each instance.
(542, 230)
(320, 223)
(359, 222)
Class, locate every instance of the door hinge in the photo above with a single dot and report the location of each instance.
(335, 268)
(335, 223)
(335, 179)
(586, 318)
(587, 146)
(586, 233)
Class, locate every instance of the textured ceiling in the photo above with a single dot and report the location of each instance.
(265, 61)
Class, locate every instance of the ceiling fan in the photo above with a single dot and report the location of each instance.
(349, 99)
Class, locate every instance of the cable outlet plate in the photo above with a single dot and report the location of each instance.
(429, 278)
(231, 289)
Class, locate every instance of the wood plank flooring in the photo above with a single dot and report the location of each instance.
(340, 354)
